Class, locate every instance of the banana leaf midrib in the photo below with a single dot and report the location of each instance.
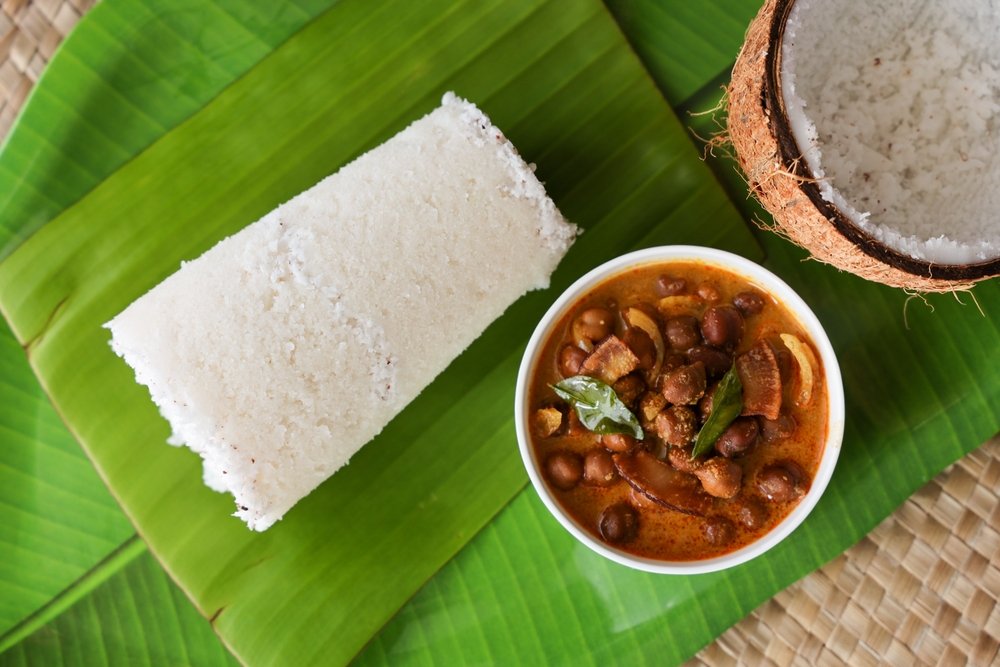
(101, 571)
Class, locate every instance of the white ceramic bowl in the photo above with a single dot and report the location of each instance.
(766, 281)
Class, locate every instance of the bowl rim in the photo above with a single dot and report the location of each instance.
(760, 276)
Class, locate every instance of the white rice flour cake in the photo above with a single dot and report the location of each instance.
(286, 347)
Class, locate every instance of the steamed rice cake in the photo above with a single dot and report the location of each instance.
(282, 350)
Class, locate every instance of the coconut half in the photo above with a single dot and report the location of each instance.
(871, 132)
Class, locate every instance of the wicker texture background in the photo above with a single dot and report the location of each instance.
(30, 31)
(921, 589)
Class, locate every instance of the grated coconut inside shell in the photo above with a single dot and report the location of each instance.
(896, 107)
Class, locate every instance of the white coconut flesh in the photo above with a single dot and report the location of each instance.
(896, 109)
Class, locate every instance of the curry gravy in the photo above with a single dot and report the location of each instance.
(662, 533)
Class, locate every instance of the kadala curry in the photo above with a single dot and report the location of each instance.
(678, 412)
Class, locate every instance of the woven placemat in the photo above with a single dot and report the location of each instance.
(921, 589)
(30, 31)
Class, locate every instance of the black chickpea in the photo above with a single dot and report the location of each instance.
(619, 523)
(564, 470)
(773, 430)
(676, 425)
(618, 442)
(718, 530)
(680, 459)
(780, 482)
(682, 332)
(720, 477)
(594, 324)
(672, 361)
(716, 361)
(684, 385)
(722, 326)
(570, 359)
(599, 468)
(709, 292)
(705, 403)
(629, 388)
(751, 513)
(670, 286)
(749, 303)
(738, 437)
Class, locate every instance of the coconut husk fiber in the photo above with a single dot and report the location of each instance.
(770, 162)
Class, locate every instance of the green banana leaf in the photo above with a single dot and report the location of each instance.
(137, 617)
(69, 590)
(685, 45)
(134, 71)
(521, 588)
(922, 381)
(562, 81)
(56, 517)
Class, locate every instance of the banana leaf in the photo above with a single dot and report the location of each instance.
(70, 592)
(136, 617)
(563, 83)
(522, 590)
(130, 73)
(685, 45)
(525, 591)
(133, 71)
(56, 517)
(922, 380)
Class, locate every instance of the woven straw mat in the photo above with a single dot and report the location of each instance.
(921, 589)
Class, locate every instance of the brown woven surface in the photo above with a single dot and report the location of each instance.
(921, 589)
(30, 31)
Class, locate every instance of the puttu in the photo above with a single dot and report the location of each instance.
(278, 353)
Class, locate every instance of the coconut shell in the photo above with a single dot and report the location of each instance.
(771, 162)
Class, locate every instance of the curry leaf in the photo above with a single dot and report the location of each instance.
(598, 406)
(727, 403)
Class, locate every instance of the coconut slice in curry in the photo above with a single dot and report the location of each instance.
(659, 482)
